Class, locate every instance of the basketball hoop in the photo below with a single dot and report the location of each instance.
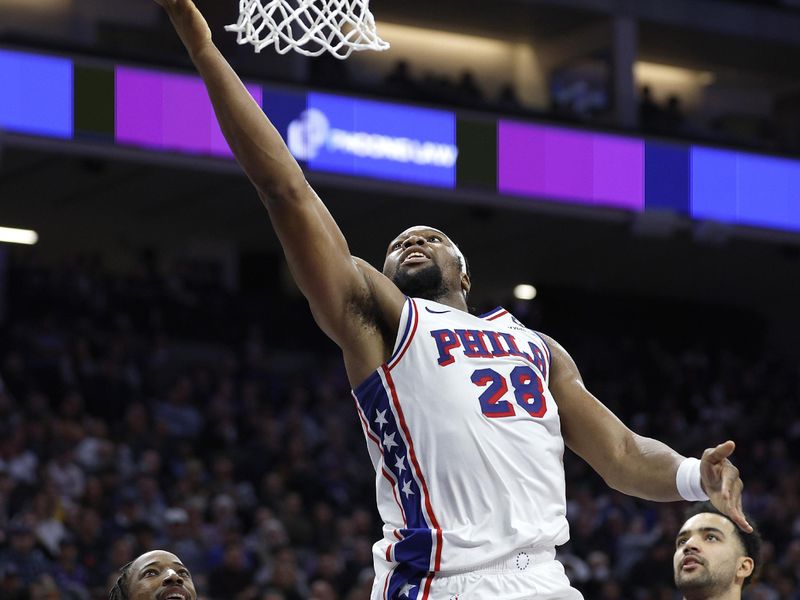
(310, 27)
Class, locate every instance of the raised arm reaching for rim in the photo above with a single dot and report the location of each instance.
(352, 302)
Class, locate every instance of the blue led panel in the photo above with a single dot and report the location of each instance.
(769, 191)
(35, 94)
(666, 174)
(375, 139)
(743, 188)
(713, 194)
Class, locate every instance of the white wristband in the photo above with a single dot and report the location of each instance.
(688, 480)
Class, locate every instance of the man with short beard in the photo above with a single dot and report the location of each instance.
(465, 416)
(714, 559)
(155, 575)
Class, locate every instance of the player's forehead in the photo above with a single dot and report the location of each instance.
(419, 230)
(705, 522)
(156, 557)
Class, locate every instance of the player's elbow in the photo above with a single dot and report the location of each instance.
(327, 321)
(289, 191)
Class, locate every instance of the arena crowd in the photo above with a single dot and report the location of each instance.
(150, 410)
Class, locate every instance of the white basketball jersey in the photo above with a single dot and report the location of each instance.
(465, 438)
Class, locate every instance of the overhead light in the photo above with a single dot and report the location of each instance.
(524, 291)
(18, 236)
(646, 72)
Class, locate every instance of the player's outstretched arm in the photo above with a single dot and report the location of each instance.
(334, 283)
(256, 144)
(630, 463)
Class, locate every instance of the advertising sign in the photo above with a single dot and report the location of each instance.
(376, 139)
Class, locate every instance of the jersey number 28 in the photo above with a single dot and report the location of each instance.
(528, 392)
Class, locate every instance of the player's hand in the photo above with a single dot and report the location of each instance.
(188, 22)
(721, 482)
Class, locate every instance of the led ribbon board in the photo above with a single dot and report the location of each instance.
(50, 96)
(375, 139)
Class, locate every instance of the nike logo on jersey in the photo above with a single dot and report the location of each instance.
(436, 312)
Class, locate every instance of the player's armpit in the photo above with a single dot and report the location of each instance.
(348, 298)
(374, 320)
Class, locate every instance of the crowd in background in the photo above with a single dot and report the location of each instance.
(578, 101)
(143, 411)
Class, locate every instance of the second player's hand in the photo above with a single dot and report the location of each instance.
(722, 483)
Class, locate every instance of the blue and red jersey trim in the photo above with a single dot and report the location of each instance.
(493, 314)
(412, 321)
(418, 549)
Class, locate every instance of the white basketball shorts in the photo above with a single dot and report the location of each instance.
(527, 574)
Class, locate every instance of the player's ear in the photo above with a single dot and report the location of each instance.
(466, 283)
(745, 568)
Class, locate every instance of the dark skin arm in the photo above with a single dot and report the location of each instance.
(353, 303)
(630, 463)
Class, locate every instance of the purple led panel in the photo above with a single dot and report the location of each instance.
(165, 111)
(577, 166)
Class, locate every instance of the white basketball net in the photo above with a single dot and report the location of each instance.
(310, 27)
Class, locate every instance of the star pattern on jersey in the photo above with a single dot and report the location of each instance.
(406, 489)
(387, 431)
(406, 590)
(388, 441)
(400, 464)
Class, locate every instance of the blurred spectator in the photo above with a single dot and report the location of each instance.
(673, 117)
(649, 111)
(507, 99)
(286, 575)
(234, 578)
(22, 556)
(12, 587)
(399, 82)
(66, 475)
(44, 588)
(183, 540)
(469, 94)
(70, 576)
